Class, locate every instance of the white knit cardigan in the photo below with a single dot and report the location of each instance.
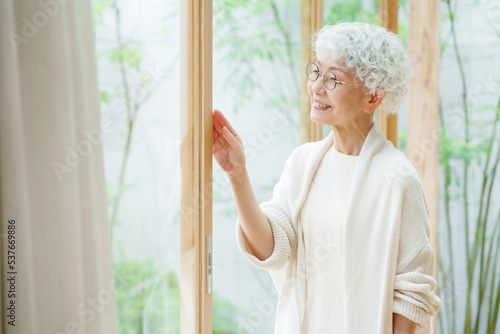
(388, 259)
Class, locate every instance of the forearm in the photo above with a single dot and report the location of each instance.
(402, 325)
(254, 223)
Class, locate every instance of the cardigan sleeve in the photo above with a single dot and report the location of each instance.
(278, 214)
(414, 284)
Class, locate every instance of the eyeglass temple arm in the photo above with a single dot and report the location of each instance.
(347, 83)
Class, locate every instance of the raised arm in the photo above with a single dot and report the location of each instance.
(229, 154)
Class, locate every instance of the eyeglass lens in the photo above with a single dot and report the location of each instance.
(330, 79)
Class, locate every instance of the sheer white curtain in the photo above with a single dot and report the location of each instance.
(55, 248)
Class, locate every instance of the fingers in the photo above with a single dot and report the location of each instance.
(222, 121)
(223, 135)
(231, 139)
(216, 124)
(218, 140)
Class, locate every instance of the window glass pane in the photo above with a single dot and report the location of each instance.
(256, 86)
(469, 95)
(403, 26)
(138, 64)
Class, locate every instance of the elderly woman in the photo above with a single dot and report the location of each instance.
(345, 236)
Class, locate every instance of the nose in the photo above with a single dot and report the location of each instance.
(318, 86)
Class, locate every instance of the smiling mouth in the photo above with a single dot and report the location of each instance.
(320, 106)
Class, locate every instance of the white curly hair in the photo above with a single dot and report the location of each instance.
(377, 56)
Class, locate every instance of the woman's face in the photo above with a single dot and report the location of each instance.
(342, 106)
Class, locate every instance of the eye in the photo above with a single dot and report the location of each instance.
(331, 77)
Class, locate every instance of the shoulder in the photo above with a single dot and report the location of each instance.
(396, 172)
(309, 148)
(306, 151)
(401, 175)
(397, 168)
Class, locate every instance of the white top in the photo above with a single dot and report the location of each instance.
(388, 258)
(323, 218)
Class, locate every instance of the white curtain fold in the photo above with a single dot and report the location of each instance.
(52, 188)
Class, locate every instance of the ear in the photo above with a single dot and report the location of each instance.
(372, 101)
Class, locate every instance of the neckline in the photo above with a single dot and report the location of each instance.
(333, 151)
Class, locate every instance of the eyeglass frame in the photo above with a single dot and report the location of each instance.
(334, 78)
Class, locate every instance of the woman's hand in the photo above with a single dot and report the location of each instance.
(402, 325)
(227, 147)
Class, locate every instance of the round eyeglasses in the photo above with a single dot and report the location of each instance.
(330, 79)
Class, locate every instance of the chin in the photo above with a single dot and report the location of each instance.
(318, 119)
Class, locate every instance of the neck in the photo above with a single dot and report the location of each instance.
(349, 139)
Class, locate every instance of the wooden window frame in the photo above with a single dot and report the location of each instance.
(311, 20)
(196, 166)
(388, 13)
(423, 110)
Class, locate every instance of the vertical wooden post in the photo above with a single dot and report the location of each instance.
(423, 108)
(311, 20)
(388, 12)
(196, 166)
